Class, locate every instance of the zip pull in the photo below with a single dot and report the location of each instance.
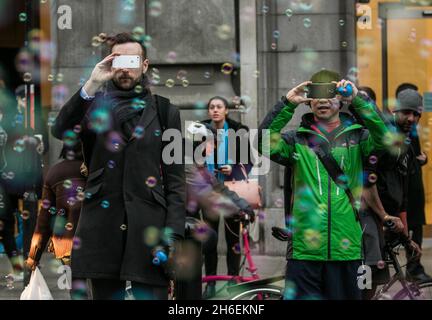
(318, 175)
(341, 165)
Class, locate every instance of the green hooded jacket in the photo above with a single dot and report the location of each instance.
(323, 222)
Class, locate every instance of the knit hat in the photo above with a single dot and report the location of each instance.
(325, 76)
(409, 99)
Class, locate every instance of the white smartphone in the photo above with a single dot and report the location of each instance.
(126, 62)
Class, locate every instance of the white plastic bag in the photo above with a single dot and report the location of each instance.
(37, 288)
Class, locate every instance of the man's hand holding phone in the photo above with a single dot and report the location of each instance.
(101, 73)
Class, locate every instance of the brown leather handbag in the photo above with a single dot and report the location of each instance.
(246, 189)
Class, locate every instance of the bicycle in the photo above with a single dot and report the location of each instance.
(410, 290)
(244, 284)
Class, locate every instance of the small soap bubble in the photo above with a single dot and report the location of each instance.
(151, 236)
(151, 182)
(289, 13)
(76, 243)
(185, 83)
(373, 160)
(169, 83)
(69, 226)
(138, 132)
(25, 214)
(227, 68)
(138, 89)
(224, 32)
(345, 243)
(155, 8)
(171, 57)
(27, 77)
(105, 204)
(307, 23)
(22, 17)
(67, 184)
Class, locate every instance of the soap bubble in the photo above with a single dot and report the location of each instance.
(151, 182)
(100, 120)
(307, 23)
(345, 244)
(155, 8)
(105, 204)
(27, 77)
(227, 68)
(114, 142)
(138, 132)
(22, 17)
(151, 236)
(169, 83)
(67, 184)
(224, 32)
(289, 13)
(185, 83)
(70, 138)
(181, 74)
(171, 57)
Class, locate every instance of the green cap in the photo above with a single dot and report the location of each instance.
(325, 76)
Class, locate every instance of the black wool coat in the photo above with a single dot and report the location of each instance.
(122, 203)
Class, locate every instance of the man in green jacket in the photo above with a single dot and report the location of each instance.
(325, 250)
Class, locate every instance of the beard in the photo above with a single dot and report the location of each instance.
(126, 83)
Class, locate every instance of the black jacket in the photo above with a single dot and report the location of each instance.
(121, 212)
(392, 171)
(236, 170)
(416, 194)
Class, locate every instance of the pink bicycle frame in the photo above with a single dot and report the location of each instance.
(251, 266)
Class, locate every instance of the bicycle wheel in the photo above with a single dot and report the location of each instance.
(420, 291)
(260, 293)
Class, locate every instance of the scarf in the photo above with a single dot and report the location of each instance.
(222, 153)
(128, 105)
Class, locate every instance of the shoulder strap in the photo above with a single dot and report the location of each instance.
(335, 172)
(162, 105)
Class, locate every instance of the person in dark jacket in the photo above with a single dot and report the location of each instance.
(62, 194)
(204, 193)
(134, 200)
(225, 168)
(7, 217)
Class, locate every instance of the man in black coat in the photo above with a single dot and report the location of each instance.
(134, 202)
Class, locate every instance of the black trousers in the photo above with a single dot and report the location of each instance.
(110, 289)
(7, 237)
(329, 280)
(232, 230)
(414, 266)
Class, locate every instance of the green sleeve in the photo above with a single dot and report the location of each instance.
(272, 144)
(373, 122)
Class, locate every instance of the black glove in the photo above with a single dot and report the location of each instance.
(280, 234)
(169, 266)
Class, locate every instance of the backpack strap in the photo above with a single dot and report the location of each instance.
(334, 170)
